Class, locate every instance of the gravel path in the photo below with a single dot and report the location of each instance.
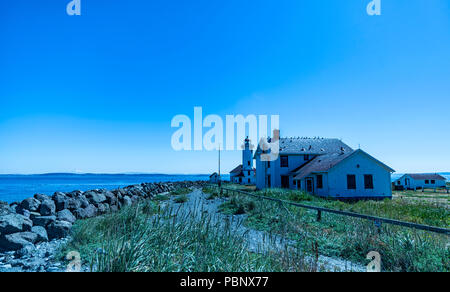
(258, 240)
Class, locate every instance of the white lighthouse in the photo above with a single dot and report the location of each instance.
(245, 173)
(247, 156)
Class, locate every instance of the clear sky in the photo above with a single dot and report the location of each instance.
(97, 92)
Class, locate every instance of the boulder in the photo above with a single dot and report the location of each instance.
(34, 215)
(58, 229)
(26, 251)
(44, 221)
(126, 201)
(95, 197)
(40, 232)
(103, 209)
(61, 201)
(13, 223)
(66, 215)
(41, 197)
(5, 209)
(74, 203)
(88, 212)
(17, 241)
(111, 198)
(30, 204)
(48, 208)
(20, 210)
(135, 199)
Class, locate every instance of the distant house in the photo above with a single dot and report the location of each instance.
(414, 181)
(214, 178)
(244, 173)
(324, 167)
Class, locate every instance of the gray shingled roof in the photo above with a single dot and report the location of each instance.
(238, 169)
(314, 146)
(430, 176)
(321, 163)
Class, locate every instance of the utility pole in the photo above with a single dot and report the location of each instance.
(220, 178)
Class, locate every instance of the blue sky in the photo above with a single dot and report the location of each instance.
(97, 92)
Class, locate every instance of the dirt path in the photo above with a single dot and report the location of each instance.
(258, 240)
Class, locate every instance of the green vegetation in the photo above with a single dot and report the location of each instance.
(401, 249)
(181, 199)
(161, 197)
(180, 191)
(144, 238)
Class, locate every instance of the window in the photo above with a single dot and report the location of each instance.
(284, 162)
(268, 164)
(320, 181)
(427, 182)
(248, 163)
(269, 183)
(285, 182)
(248, 180)
(368, 182)
(351, 182)
(248, 172)
(399, 183)
(433, 181)
(306, 157)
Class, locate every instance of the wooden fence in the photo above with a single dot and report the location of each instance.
(377, 220)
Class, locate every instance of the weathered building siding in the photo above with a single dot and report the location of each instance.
(337, 178)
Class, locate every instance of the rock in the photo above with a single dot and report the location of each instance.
(41, 197)
(12, 223)
(48, 208)
(111, 198)
(34, 215)
(95, 198)
(114, 208)
(66, 215)
(61, 201)
(5, 209)
(27, 250)
(74, 203)
(20, 210)
(58, 229)
(44, 221)
(41, 233)
(127, 201)
(30, 204)
(88, 212)
(17, 241)
(103, 209)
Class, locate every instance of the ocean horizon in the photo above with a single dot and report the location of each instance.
(16, 187)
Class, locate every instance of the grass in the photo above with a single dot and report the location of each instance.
(181, 199)
(401, 249)
(145, 238)
(180, 191)
(161, 197)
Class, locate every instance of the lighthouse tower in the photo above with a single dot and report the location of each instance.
(247, 156)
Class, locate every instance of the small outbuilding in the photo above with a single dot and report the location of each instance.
(214, 178)
(414, 181)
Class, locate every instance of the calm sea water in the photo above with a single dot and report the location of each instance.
(18, 187)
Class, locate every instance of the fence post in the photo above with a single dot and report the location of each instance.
(378, 226)
(319, 215)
